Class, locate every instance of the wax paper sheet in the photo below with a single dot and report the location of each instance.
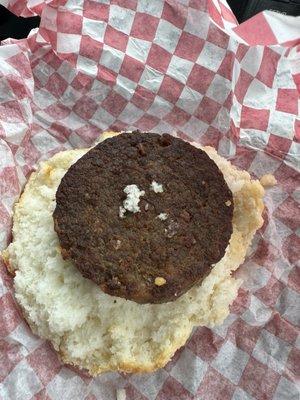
(183, 67)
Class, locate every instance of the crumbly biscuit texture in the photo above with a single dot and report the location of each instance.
(101, 332)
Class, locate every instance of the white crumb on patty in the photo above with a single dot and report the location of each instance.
(163, 216)
(122, 212)
(156, 187)
(131, 203)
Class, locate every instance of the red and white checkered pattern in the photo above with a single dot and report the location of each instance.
(162, 66)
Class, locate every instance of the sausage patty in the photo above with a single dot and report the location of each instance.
(144, 216)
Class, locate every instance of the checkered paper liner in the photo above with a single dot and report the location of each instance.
(164, 66)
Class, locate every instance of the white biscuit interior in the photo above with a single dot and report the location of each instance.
(95, 330)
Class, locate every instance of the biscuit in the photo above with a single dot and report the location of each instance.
(100, 332)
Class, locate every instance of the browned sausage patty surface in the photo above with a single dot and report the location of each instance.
(124, 256)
